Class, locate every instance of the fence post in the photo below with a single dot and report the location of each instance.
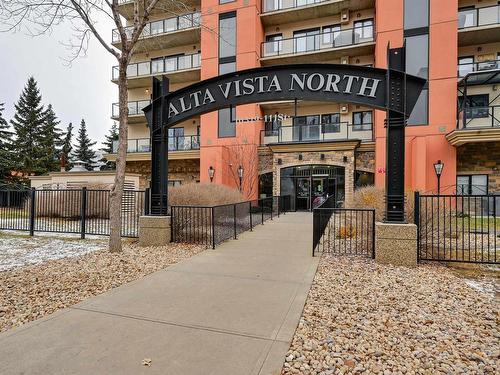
(146, 201)
(272, 207)
(416, 220)
(213, 229)
(373, 234)
(250, 211)
(83, 212)
(279, 199)
(262, 211)
(32, 212)
(234, 217)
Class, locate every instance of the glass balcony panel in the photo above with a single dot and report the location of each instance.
(196, 60)
(115, 72)
(143, 68)
(157, 66)
(488, 16)
(115, 111)
(196, 20)
(115, 147)
(143, 145)
(132, 108)
(185, 22)
(464, 69)
(142, 104)
(342, 38)
(184, 62)
(157, 27)
(132, 145)
(171, 64)
(331, 128)
(363, 34)
(467, 18)
(170, 24)
(195, 142)
(131, 70)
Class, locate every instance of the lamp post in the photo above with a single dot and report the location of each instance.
(240, 175)
(438, 168)
(211, 173)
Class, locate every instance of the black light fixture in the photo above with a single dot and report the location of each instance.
(322, 156)
(345, 159)
(300, 156)
(240, 175)
(280, 161)
(211, 173)
(438, 168)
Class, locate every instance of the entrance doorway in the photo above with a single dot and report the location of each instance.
(310, 185)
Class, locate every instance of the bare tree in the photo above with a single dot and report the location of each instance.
(243, 155)
(40, 16)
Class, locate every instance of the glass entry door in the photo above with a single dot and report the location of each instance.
(303, 193)
(319, 191)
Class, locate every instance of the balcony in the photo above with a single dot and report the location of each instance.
(476, 124)
(135, 114)
(276, 12)
(464, 69)
(126, 7)
(333, 132)
(182, 68)
(186, 147)
(478, 25)
(166, 33)
(319, 47)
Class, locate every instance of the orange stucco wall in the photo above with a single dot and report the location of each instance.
(224, 154)
(424, 144)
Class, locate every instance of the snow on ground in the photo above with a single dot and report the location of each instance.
(19, 249)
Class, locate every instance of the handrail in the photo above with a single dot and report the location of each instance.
(321, 132)
(134, 108)
(178, 143)
(466, 68)
(478, 17)
(479, 117)
(273, 5)
(164, 26)
(320, 41)
(168, 64)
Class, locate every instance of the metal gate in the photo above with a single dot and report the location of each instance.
(458, 228)
(343, 231)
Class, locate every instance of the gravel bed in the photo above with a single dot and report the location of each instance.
(362, 317)
(30, 292)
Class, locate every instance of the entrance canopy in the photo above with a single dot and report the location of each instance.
(384, 89)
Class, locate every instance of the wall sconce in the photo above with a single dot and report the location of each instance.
(322, 156)
(300, 156)
(211, 173)
(345, 159)
(280, 161)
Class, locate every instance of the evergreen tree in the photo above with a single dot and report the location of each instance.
(83, 148)
(50, 142)
(6, 164)
(111, 138)
(28, 123)
(67, 146)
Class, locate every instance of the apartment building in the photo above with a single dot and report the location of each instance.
(312, 149)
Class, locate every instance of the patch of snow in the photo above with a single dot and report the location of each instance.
(18, 251)
(484, 286)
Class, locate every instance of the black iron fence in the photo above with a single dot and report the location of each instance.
(212, 225)
(346, 231)
(458, 228)
(79, 211)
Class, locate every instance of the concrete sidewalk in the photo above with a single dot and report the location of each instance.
(231, 311)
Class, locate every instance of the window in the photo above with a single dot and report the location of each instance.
(174, 183)
(420, 113)
(172, 62)
(465, 65)
(472, 184)
(226, 1)
(306, 128)
(363, 178)
(417, 55)
(306, 40)
(175, 139)
(272, 127)
(227, 35)
(416, 14)
(226, 127)
(362, 120)
(330, 34)
(273, 44)
(363, 31)
(476, 106)
(330, 123)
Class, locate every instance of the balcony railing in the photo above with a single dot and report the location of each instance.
(464, 69)
(317, 42)
(134, 108)
(166, 65)
(478, 17)
(479, 117)
(330, 132)
(181, 143)
(274, 5)
(165, 26)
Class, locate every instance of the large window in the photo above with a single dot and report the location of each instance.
(226, 127)
(362, 120)
(306, 40)
(363, 31)
(175, 139)
(416, 14)
(273, 44)
(416, 32)
(330, 123)
(227, 35)
(472, 184)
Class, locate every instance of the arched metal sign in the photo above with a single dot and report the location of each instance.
(314, 82)
(390, 89)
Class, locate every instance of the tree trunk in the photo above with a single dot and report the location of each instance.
(115, 211)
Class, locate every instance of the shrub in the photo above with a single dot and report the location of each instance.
(203, 194)
(346, 232)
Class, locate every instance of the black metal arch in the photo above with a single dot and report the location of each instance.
(386, 89)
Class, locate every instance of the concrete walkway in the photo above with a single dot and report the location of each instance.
(231, 311)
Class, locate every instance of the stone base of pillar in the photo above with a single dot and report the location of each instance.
(396, 244)
(154, 230)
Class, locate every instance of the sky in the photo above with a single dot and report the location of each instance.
(82, 90)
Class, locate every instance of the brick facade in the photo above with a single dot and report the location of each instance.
(480, 158)
(365, 161)
(187, 170)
